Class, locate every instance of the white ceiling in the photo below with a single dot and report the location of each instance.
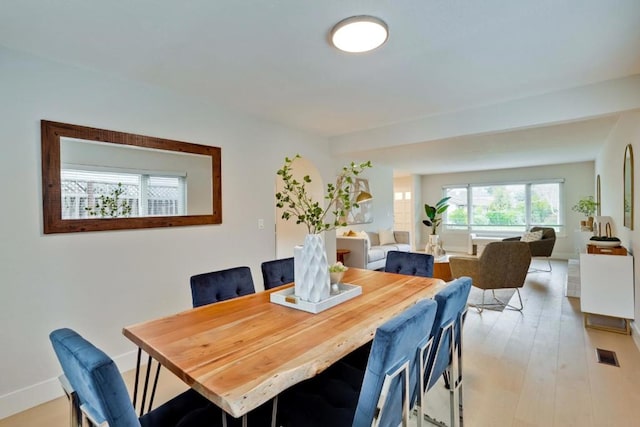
(569, 143)
(272, 60)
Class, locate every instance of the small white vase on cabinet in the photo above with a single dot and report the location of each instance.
(433, 247)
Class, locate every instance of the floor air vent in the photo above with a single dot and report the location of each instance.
(607, 357)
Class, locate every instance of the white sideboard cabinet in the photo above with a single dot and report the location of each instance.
(607, 286)
(580, 240)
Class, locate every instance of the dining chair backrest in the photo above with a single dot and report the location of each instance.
(409, 263)
(452, 302)
(222, 285)
(95, 378)
(277, 272)
(394, 343)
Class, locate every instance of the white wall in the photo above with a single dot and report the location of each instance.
(609, 165)
(579, 182)
(99, 282)
(564, 106)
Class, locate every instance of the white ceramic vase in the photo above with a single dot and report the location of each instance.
(432, 246)
(311, 270)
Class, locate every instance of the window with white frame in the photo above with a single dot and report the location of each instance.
(131, 194)
(504, 207)
(402, 210)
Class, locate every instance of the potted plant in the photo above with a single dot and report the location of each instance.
(310, 264)
(297, 204)
(336, 271)
(586, 206)
(434, 213)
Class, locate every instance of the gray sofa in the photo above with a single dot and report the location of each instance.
(368, 253)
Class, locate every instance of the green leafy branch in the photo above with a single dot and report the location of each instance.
(586, 206)
(296, 203)
(110, 206)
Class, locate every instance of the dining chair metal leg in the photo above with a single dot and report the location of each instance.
(463, 318)
(434, 421)
(75, 416)
(454, 397)
(423, 353)
(274, 412)
(447, 375)
(454, 377)
(451, 373)
(403, 372)
(88, 420)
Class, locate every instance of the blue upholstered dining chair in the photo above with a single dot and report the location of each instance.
(346, 396)
(444, 356)
(103, 397)
(277, 272)
(222, 285)
(409, 263)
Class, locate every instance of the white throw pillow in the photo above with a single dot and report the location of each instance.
(386, 237)
(531, 236)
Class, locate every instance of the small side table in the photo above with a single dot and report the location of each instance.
(442, 269)
(340, 253)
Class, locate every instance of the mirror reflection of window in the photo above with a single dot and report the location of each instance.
(126, 194)
(157, 173)
(166, 196)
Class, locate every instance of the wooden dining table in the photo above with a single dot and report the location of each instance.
(242, 352)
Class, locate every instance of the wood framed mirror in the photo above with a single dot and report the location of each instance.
(628, 187)
(96, 179)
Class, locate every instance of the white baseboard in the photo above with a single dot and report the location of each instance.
(127, 361)
(37, 394)
(28, 397)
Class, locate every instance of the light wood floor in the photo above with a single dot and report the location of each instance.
(535, 368)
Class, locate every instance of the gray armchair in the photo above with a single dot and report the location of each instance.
(501, 265)
(542, 247)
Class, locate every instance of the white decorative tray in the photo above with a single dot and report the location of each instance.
(287, 298)
(604, 243)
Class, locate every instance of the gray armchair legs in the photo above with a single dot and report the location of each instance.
(496, 302)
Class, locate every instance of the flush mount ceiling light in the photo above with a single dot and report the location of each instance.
(359, 34)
